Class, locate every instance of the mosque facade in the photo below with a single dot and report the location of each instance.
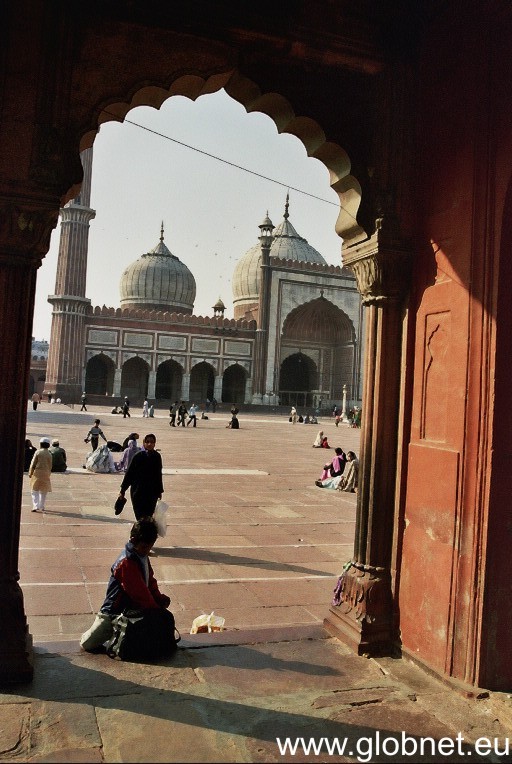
(295, 337)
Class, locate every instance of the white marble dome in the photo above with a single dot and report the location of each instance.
(158, 280)
(286, 244)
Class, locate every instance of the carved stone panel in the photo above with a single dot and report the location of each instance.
(232, 347)
(200, 345)
(102, 337)
(436, 377)
(167, 342)
(138, 340)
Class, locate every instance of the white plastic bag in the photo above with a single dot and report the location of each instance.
(160, 517)
(207, 623)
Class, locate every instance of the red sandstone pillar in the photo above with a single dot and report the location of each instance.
(363, 616)
(25, 229)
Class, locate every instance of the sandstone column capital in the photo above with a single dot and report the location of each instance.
(25, 228)
(381, 265)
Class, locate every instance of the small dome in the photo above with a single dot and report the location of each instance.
(158, 281)
(287, 245)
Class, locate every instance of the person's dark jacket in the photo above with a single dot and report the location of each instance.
(127, 586)
(144, 475)
(29, 453)
(58, 459)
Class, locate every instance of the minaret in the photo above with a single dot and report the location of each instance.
(66, 352)
(261, 340)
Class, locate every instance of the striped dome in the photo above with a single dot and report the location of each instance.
(158, 280)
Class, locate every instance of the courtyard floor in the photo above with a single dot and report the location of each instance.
(251, 538)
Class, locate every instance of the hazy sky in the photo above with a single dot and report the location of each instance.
(211, 211)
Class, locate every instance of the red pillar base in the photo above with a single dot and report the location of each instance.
(16, 660)
(363, 618)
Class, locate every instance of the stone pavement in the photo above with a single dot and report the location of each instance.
(252, 538)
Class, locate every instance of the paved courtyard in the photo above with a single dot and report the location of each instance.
(252, 538)
(249, 535)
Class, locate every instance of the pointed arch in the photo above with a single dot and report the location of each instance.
(99, 375)
(247, 93)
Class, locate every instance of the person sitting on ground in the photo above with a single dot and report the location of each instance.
(349, 480)
(234, 424)
(128, 454)
(313, 419)
(318, 440)
(58, 457)
(334, 469)
(132, 436)
(307, 419)
(94, 434)
(132, 584)
(29, 453)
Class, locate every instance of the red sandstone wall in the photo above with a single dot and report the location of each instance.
(450, 611)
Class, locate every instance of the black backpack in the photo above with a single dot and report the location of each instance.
(143, 635)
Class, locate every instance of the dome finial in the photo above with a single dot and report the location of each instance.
(162, 232)
(286, 215)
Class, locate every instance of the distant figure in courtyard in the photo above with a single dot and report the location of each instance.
(350, 479)
(128, 454)
(132, 436)
(318, 440)
(36, 400)
(58, 457)
(192, 415)
(293, 415)
(94, 435)
(126, 408)
(83, 400)
(29, 453)
(145, 408)
(234, 424)
(182, 413)
(39, 473)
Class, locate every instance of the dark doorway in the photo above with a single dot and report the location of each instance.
(99, 375)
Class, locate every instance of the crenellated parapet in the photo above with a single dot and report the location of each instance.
(299, 265)
(159, 316)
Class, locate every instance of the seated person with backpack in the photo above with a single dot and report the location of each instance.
(132, 585)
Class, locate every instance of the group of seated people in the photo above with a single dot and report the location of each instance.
(341, 473)
(58, 456)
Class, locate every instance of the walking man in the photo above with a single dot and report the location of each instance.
(84, 401)
(192, 415)
(144, 479)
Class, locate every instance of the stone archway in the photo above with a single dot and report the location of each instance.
(202, 379)
(233, 384)
(169, 377)
(134, 379)
(43, 137)
(298, 377)
(99, 375)
(326, 335)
